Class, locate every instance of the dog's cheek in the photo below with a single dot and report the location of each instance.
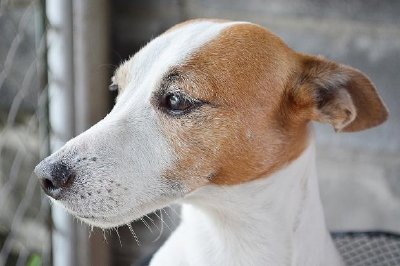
(189, 174)
(196, 143)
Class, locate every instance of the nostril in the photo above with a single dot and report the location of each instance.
(50, 188)
(47, 184)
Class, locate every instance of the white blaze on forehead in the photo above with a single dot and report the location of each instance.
(172, 48)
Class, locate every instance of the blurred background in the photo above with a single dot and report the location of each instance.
(56, 60)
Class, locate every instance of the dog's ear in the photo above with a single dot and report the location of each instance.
(337, 94)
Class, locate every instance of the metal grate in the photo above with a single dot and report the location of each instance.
(368, 248)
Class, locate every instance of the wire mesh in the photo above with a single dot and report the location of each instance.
(24, 230)
(368, 248)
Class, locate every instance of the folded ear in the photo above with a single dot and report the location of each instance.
(338, 94)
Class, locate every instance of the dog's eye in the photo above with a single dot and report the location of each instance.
(177, 102)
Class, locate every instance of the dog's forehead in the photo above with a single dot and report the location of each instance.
(146, 68)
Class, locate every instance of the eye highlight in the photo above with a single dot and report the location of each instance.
(177, 103)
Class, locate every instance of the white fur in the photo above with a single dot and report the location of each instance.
(276, 220)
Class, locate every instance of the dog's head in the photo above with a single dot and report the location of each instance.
(207, 102)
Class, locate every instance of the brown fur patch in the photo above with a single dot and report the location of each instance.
(247, 130)
(337, 94)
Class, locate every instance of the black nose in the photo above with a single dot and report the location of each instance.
(54, 177)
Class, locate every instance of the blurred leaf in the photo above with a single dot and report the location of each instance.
(34, 260)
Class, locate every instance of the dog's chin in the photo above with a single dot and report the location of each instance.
(108, 221)
(105, 222)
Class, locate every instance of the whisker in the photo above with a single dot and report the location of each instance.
(104, 235)
(119, 238)
(90, 230)
(134, 234)
(174, 211)
(162, 226)
(162, 220)
(146, 224)
(152, 221)
(169, 218)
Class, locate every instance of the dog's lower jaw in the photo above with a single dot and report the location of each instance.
(277, 220)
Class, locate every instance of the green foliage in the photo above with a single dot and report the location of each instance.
(34, 260)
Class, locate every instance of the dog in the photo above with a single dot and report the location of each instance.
(215, 115)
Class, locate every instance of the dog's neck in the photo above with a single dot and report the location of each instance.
(276, 220)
